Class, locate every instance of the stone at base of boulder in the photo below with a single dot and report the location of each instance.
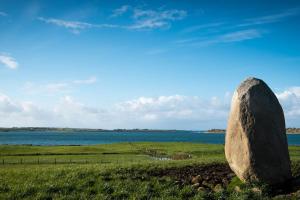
(218, 188)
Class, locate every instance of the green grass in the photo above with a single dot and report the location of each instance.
(112, 171)
(108, 153)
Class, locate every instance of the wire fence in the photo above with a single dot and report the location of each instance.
(104, 159)
(56, 161)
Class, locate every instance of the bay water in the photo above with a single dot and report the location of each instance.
(90, 138)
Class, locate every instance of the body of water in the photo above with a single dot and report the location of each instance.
(89, 138)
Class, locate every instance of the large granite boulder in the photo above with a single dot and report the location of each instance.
(256, 144)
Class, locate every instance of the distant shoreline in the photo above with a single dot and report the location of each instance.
(291, 131)
(53, 129)
(218, 131)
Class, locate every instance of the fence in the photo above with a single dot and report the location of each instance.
(55, 161)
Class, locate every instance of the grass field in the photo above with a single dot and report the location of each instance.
(119, 171)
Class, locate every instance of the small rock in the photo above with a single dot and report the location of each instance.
(281, 197)
(207, 184)
(256, 190)
(196, 179)
(237, 189)
(218, 188)
(201, 189)
(225, 181)
(196, 185)
(177, 182)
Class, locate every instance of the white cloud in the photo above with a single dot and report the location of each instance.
(67, 24)
(75, 26)
(186, 41)
(22, 113)
(120, 11)
(56, 87)
(47, 89)
(67, 112)
(8, 61)
(222, 25)
(290, 100)
(240, 36)
(210, 30)
(145, 112)
(271, 18)
(177, 111)
(69, 105)
(230, 37)
(202, 27)
(7, 105)
(90, 80)
(168, 112)
(142, 19)
(3, 14)
(73, 113)
(150, 19)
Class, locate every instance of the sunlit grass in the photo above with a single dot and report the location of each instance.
(114, 171)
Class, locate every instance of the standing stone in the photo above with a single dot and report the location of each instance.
(256, 145)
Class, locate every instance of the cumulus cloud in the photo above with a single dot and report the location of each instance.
(67, 112)
(8, 61)
(23, 113)
(290, 100)
(7, 105)
(68, 106)
(167, 112)
(71, 113)
(176, 111)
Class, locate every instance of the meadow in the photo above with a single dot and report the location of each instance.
(124, 171)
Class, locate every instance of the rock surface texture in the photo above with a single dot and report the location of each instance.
(256, 144)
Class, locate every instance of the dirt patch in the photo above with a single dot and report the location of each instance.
(207, 176)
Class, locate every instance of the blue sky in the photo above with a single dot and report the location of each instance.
(143, 64)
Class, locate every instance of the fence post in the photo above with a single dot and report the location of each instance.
(21, 161)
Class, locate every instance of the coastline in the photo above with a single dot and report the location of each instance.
(55, 129)
(289, 131)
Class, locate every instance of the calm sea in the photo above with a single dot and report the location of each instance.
(86, 138)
